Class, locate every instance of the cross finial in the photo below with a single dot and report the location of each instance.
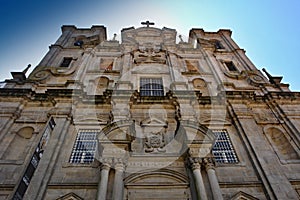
(147, 23)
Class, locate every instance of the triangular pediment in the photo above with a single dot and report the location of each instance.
(70, 196)
(243, 196)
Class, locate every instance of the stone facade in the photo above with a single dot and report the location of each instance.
(148, 117)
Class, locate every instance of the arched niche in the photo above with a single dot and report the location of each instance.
(281, 144)
(200, 84)
(101, 84)
(26, 132)
(18, 144)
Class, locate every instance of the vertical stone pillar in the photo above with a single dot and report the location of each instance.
(196, 168)
(118, 181)
(213, 181)
(102, 187)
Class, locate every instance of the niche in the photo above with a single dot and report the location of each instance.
(101, 85)
(281, 145)
(17, 146)
(200, 84)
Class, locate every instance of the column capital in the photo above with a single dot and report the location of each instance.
(195, 163)
(120, 165)
(106, 163)
(209, 163)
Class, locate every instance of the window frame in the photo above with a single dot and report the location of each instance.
(86, 137)
(156, 91)
(230, 66)
(223, 149)
(66, 62)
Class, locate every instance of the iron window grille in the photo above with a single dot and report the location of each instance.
(223, 150)
(85, 147)
(151, 87)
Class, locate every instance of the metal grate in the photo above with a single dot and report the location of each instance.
(84, 147)
(151, 87)
(223, 150)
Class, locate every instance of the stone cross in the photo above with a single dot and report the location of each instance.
(147, 23)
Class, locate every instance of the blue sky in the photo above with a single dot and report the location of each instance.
(268, 30)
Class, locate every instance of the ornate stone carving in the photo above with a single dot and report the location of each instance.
(149, 54)
(155, 141)
(209, 163)
(154, 131)
(194, 163)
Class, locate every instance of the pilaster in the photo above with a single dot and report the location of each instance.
(276, 184)
(43, 173)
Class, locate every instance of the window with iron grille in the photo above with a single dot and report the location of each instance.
(66, 62)
(223, 150)
(151, 87)
(85, 147)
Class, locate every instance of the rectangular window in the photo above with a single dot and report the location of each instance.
(230, 66)
(223, 150)
(151, 87)
(84, 147)
(66, 62)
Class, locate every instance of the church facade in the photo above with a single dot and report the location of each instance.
(148, 117)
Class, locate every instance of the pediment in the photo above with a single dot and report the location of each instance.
(149, 35)
(243, 196)
(148, 32)
(70, 196)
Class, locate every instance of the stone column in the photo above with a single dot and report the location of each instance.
(196, 167)
(102, 187)
(118, 181)
(213, 181)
